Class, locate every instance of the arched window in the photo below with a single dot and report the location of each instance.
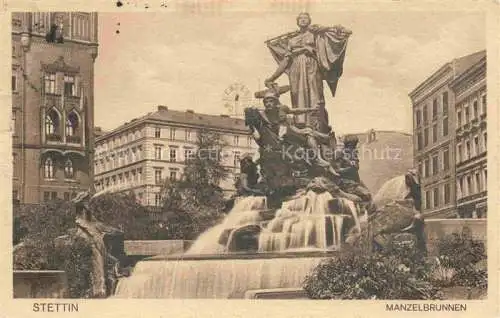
(49, 168)
(68, 169)
(52, 122)
(72, 124)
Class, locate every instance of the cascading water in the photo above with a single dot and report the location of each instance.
(213, 278)
(290, 244)
(246, 211)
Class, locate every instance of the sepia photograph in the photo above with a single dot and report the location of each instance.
(282, 155)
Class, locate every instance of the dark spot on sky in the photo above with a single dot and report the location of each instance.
(117, 31)
(146, 6)
(118, 23)
(119, 3)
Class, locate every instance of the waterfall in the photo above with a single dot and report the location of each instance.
(209, 278)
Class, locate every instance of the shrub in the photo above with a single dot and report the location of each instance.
(398, 274)
(74, 256)
(460, 253)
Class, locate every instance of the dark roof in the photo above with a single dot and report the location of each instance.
(196, 119)
(463, 63)
(459, 66)
(183, 118)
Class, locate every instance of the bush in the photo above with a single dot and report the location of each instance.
(460, 253)
(398, 274)
(75, 258)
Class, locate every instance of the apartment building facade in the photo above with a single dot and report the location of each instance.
(138, 156)
(435, 139)
(471, 141)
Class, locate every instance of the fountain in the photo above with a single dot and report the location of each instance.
(309, 199)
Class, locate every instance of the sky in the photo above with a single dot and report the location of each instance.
(186, 61)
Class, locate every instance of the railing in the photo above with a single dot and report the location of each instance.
(73, 139)
(53, 137)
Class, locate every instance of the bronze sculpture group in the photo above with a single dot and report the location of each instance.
(298, 148)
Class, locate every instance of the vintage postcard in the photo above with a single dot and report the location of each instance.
(233, 159)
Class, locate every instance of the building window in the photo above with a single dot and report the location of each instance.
(436, 197)
(434, 133)
(187, 136)
(188, 154)
(420, 169)
(173, 175)
(50, 83)
(158, 152)
(425, 113)
(14, 82)
(483, 102)
(446, 160)
(72, 124)
(427, 199)
(447, 193)
(13, 123)
(69, 86)
(426, 137)
(467, 150)
(445, 103)
(51, 123)
(249, 141)
(158, 176)
(236, 162)
(469, 185)
(66, 196)
(173, 154)
(485, 179)
(461, 189)
(157, 132)
(445, 126)
(459, 153)
(475, 109)
(46, 196)
(418, 119)
(479, 186)
(157, 199)
(435, 164)
(172, 133)
(467, 115)
(459, 119)
(434, 109)
(236, 140)
(15, 172)
(476, 146)
(139, 174)
(68, 169)
(419, 141)
(426, 168)
(120, 178)
(485, 141)
(49, 169)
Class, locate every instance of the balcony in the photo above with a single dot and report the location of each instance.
(73, 139)
(53, 137)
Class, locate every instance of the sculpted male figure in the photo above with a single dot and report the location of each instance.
(276, 113)
(348, 168)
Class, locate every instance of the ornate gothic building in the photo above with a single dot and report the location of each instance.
(53, 56)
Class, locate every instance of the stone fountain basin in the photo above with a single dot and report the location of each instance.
(220, 276)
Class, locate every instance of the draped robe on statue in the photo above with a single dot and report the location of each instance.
(323, 61)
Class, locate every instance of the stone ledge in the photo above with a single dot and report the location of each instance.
(40, 284)
(276, 293)
(156, 247)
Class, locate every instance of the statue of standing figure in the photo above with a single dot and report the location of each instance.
(309, 56)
